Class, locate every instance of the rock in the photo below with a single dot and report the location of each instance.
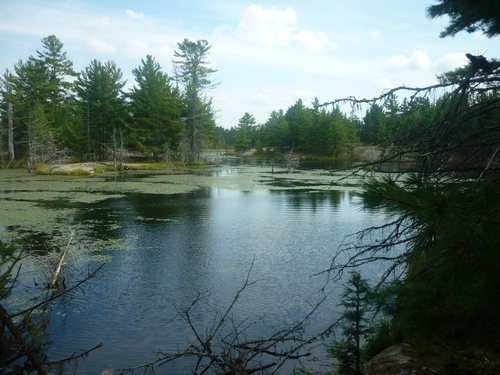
(400, 359)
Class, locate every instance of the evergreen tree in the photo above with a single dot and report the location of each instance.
(7, 83)
(57, 89)
(29, 89)
(43, 80)
(277, 131)
(468, 15)
(156, 108)
(192, 70)
(102, 105)
(299, 119)
(337, 133)
(444, 230)
(245, 129)
(317, 135)
(356, 300)
(58, 69)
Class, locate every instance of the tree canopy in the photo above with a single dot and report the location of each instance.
(468, 15)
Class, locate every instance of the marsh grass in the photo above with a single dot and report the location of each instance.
(104, 168)
(145, 167)
(157, 166)
(197, 164)
(42, 169)
(73, 172)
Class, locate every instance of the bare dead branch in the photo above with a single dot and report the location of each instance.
(224, 348)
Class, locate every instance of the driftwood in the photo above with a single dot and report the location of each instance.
(55, 277)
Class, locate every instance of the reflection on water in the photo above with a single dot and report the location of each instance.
(170, 247)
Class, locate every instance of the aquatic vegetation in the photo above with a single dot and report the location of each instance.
(73, 172)
(49, 203)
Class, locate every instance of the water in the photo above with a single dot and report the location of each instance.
(173, 247)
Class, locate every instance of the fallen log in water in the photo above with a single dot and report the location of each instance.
(55, 277)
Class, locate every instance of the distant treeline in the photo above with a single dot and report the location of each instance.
(49, 111)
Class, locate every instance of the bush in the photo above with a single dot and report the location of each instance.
(42, 169)
(382, 336)
(197, 163)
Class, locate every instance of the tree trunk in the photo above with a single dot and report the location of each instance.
(10, 131)
(88, 129)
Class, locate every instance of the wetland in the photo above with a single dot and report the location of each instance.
(165, 237)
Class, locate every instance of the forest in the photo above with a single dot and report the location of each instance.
(439, 292)
(51, 113)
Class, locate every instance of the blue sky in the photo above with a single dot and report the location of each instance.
(268, 53)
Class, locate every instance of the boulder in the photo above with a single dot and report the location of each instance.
(401, 359)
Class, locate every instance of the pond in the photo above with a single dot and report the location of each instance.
(165, 238)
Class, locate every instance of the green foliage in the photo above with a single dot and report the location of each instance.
(470, 362)
(451, 233)
(42, 169)
(102, 105)
(197, 164)
(245, 133)
(73, 172)
(156, 113)
(374, 129)
(468, 15)
(298, 118)
(448, 225)
(156, 108)
(277, 131)
(381, 337)
(357, 299)
(258, 147)
(192, 69)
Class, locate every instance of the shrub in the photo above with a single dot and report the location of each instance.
(197, 163)
(42, 169)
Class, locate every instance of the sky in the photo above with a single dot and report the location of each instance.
(268, 54)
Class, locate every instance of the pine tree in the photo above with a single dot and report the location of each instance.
(192, 70)
(356, 300)
(156, 108)
(468, 15)
(102, 105)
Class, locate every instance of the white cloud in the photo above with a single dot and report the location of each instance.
(307, 96)
(313, 43)
(418, 61)
(450, 61)
(375, 35)
(102, 24)
(262, 99)
(267, 27)
(134, 15)
(137, 48)
(164, 53)
(100, 46)
(381, 84)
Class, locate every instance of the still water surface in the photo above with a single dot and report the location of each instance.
(173, 246)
